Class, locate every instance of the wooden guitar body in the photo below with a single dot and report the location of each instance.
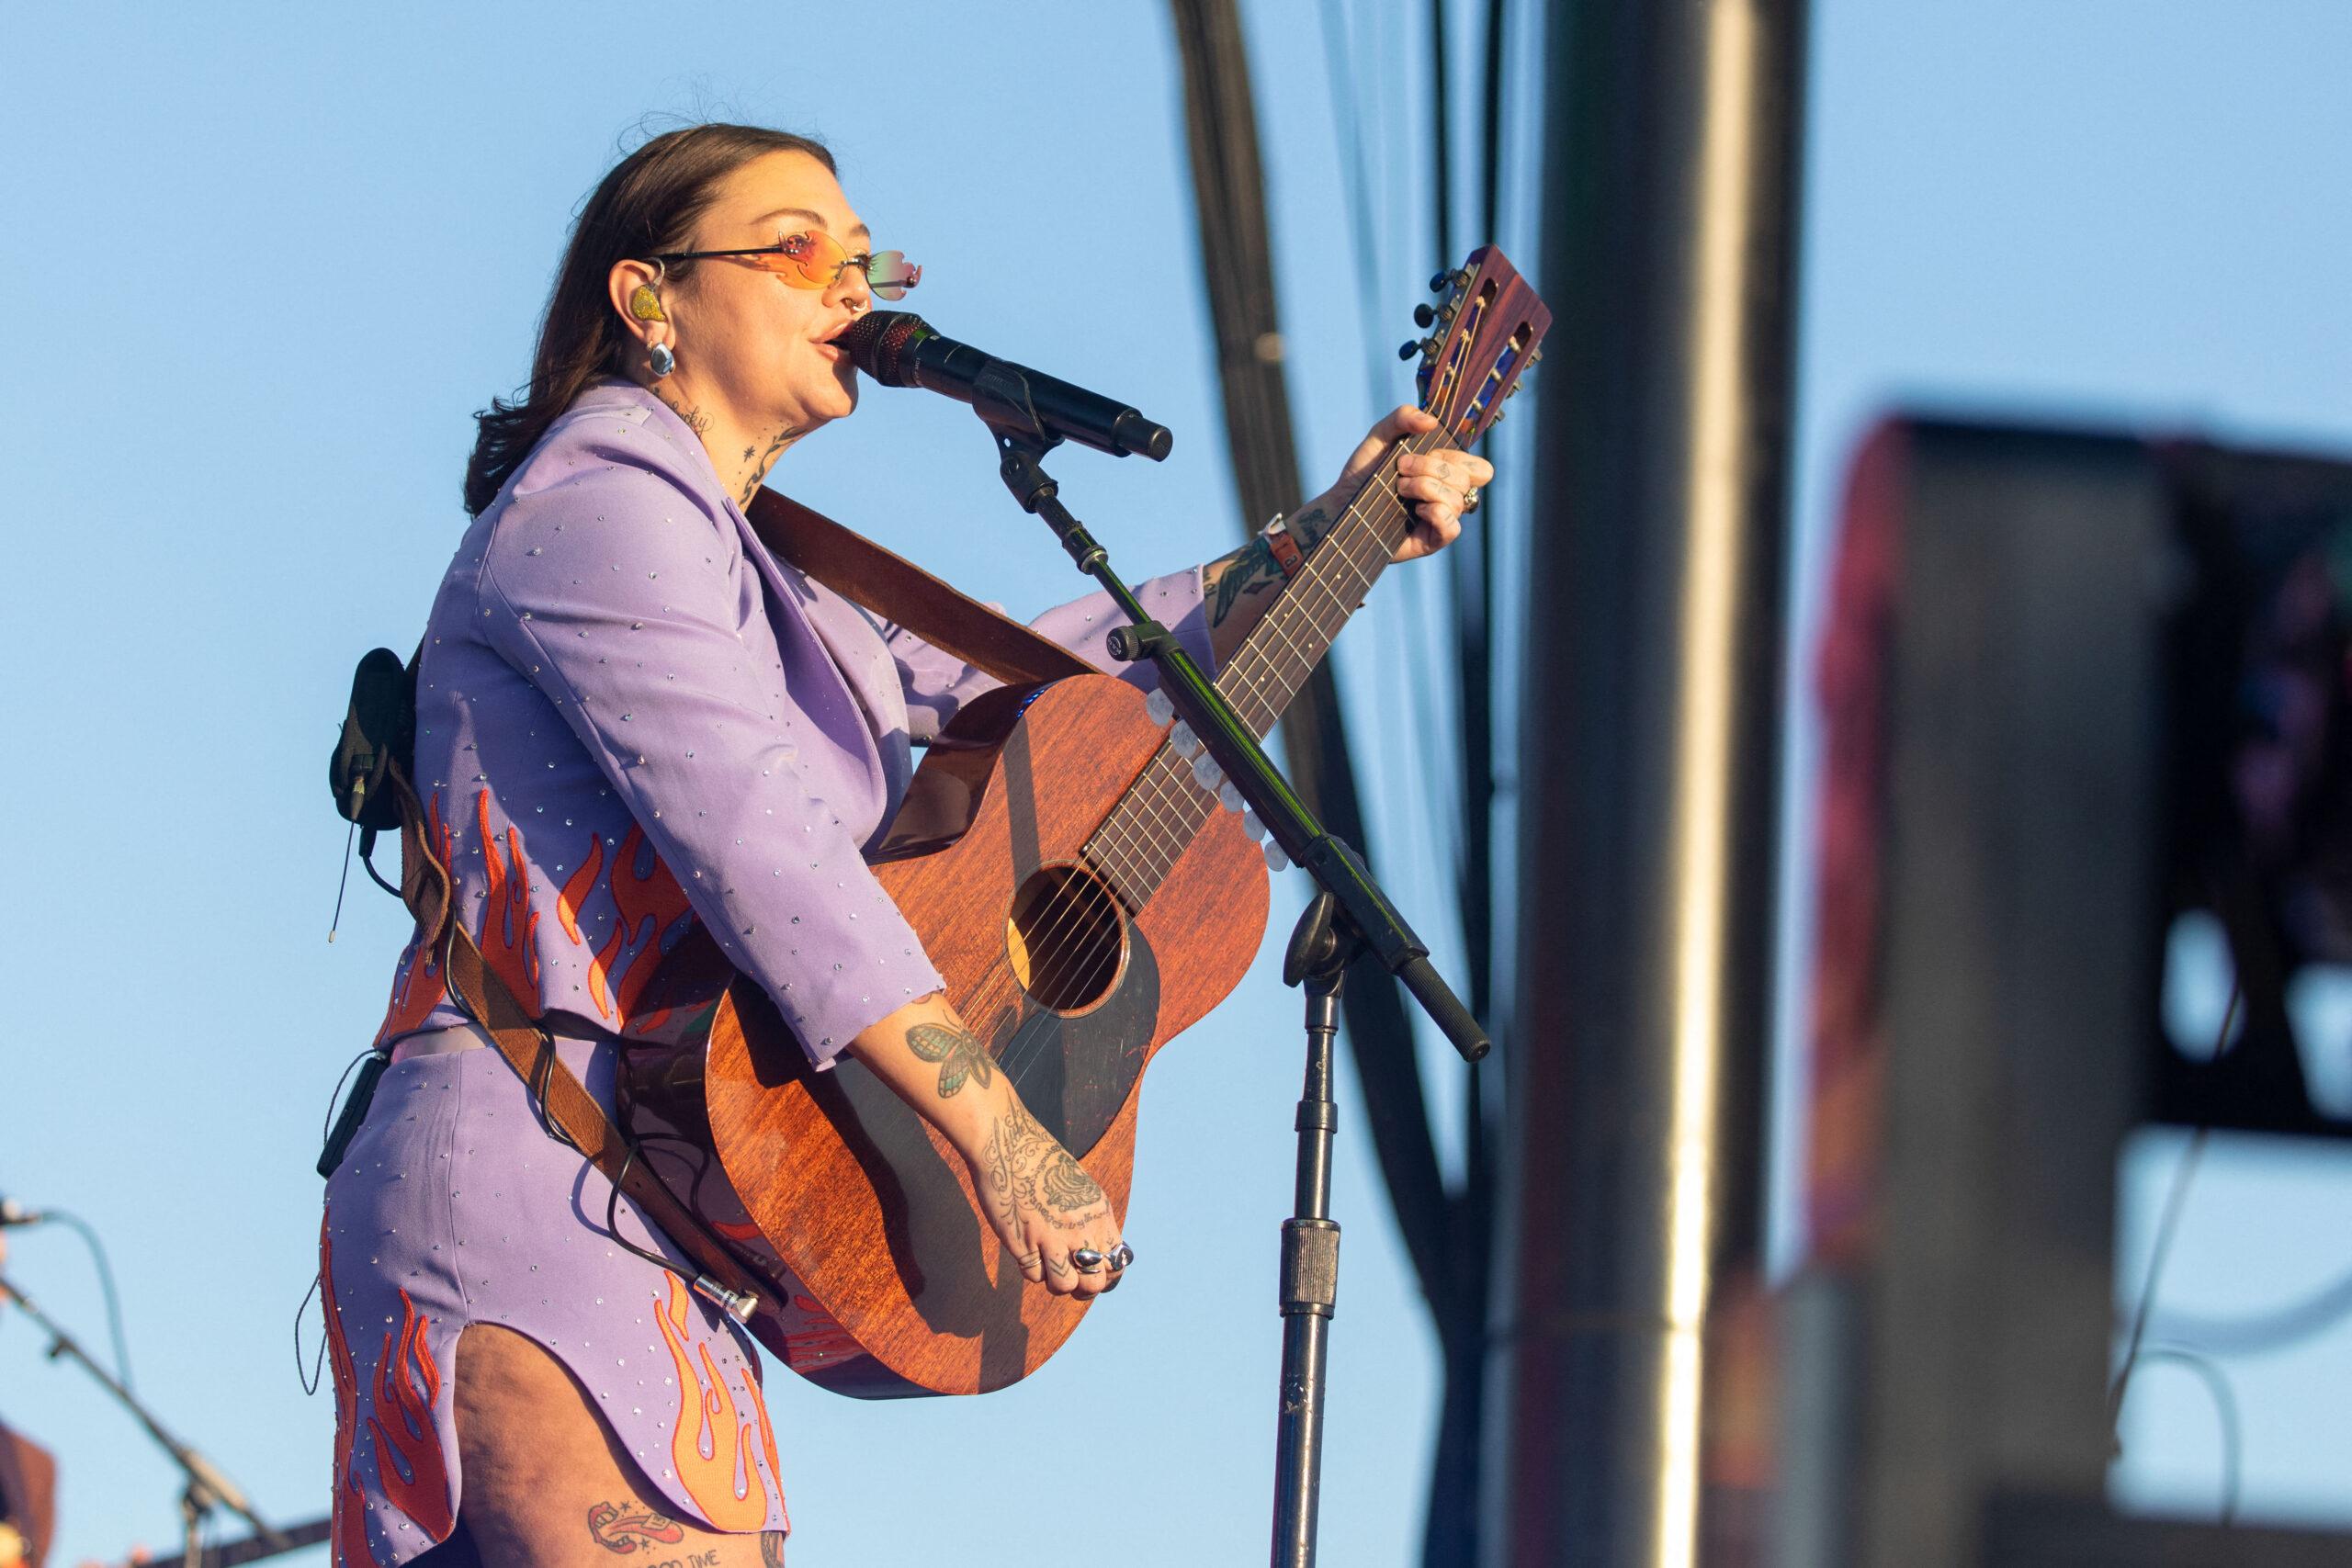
(888, 1280)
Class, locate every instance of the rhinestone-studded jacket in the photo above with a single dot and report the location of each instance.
(632, 720)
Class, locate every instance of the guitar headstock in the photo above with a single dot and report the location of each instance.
(1486, 332)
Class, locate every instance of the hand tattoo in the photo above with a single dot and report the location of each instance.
(1027, 1168)
(959, 1056)
(1065, 1186)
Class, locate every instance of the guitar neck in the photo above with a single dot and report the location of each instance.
(1156, 821)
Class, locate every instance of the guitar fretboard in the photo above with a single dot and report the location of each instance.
(1156, 819)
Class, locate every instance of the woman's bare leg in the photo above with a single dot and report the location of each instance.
(547, 1485)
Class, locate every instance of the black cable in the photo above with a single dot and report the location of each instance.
(2225, 1410)
(2252, 1333)
(326, 1127)
(1341, 74)
(2167, 1227)
(377, 877)
(613, 1215)
(310, 1379)
(105, 1286)
(1441, 136)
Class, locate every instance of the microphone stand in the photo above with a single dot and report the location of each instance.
(1349, 914)
(207, 1487)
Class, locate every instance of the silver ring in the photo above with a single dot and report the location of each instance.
(1089, 1261)
(1469, 500)
(1120, 1258)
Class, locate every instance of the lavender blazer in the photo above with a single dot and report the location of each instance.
(633, 721)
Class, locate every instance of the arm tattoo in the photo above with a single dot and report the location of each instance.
(1309, 527)
(624, 1529)
(959, 1056)
(772, 1547)
(1246, 571)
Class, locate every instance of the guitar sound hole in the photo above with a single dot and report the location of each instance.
(1067, 937)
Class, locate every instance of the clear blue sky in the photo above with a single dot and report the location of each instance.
(265, 260)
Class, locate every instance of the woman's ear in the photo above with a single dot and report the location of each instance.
(636, 290)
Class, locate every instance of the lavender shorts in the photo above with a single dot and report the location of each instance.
(454, 1206)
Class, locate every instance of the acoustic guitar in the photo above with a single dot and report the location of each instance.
(1087, 897)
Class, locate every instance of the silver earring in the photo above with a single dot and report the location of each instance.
(664, 360)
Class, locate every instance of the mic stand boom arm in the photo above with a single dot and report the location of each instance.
(207, 1488)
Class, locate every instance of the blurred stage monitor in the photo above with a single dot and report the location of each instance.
(2086, 711)
(27, 1501)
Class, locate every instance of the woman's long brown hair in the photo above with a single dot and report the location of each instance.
(646, 205)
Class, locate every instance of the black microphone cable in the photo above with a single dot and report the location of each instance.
(106, 1278)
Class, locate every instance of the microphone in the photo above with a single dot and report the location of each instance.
(14, 1214)
(899, 348)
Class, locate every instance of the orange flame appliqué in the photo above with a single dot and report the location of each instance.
(350, 1528)
(509, 924)
(576, 890)
(711, 1445)
(418, 990)
(407, 1382)
(647, 907)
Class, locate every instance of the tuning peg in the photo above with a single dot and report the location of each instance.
(1182, 740)
(1158, 709)
(1251, 825)
(1206, 773)
(1424, 315)
(1275, 859)
(1438, 281)
(1230, 797)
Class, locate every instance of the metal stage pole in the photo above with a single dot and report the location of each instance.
(1631, 1175)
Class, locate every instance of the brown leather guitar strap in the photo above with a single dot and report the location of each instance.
(530, 1049)
(859, 570)
(896, 589)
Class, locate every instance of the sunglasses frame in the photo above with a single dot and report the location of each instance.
(863, 259)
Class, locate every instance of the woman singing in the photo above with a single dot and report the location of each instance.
(635, 722)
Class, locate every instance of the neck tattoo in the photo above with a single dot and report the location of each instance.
(695, 419)
(762, 462)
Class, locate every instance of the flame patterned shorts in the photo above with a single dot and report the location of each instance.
(454, 1206)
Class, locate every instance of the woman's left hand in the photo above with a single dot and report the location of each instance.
(1440, 486)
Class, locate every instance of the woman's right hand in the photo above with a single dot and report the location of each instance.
(1046, 1210)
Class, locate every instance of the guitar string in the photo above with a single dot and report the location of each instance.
(1185, 813)
(1182, 814)
(1245, 679)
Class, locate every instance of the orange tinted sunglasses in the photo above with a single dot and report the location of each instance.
(815, 260)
